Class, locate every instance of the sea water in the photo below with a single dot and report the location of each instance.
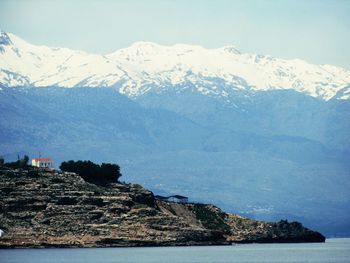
(333, 251)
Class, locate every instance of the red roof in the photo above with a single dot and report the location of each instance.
(42, 159)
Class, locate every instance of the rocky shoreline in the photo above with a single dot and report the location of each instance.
(43, 208)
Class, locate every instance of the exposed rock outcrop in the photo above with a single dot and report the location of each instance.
(47, 208)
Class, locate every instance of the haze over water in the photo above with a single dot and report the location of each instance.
(333, 251)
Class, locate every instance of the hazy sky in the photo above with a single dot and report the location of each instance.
(317, 31)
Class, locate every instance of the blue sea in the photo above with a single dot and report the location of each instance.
(333, 251)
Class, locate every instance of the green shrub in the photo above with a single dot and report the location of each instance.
(20, 163)
(209, 218)
(92, 172)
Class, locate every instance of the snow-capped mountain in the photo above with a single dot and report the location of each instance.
(243, 131)
(148, 67)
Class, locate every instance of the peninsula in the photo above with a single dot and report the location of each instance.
(48, 208)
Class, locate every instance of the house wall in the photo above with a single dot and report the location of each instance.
(44, 164)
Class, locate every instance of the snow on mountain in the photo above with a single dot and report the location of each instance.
(146, 66)
(25, 64)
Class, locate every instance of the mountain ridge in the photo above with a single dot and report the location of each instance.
(145, 66)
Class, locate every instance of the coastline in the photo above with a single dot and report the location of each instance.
(46, 208)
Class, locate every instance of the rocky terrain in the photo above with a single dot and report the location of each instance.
(44, 208)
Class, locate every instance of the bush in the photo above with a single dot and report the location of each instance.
(92, 172)
(20, 163)
(210, 219)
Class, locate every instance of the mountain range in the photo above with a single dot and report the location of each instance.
(260, 136)
(147, 67)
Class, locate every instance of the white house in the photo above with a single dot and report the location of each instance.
(42, 162)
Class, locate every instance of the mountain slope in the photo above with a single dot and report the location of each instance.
(254, 134)
(267, 113)
(148, 67)
(266, 176)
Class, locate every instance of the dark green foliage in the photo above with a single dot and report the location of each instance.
(92, 172)
(209, 218)
(20, 163)
(24, 161)
(2, 160)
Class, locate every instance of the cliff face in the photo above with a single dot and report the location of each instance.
(46, 208)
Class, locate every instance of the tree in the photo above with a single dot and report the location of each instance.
(20, 163)
(110, 171)
(24, 161)
(92, 172)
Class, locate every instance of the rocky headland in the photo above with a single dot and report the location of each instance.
(46, 208)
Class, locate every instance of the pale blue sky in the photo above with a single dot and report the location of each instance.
(317, 31)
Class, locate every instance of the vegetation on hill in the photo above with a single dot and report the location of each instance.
(91, 172)
(209, 218)
(20, 163)
(58, 209)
